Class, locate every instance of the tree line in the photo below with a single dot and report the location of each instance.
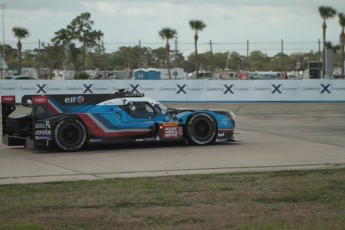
(80, 47)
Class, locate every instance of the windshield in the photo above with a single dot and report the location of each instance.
(161, 107)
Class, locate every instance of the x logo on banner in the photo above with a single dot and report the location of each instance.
(41, 88)
(135, 88)
(181, 89)
(87, 88)
(228, 89)
(325, 88)
(276, 88)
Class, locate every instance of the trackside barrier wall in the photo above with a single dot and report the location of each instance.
(190, 90)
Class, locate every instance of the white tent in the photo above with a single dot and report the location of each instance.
(3, 64)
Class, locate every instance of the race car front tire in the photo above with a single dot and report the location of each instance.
(70, 134)
(201, 129)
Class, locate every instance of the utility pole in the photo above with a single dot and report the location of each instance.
(227, 60)
(175, 59)
(247, 62)
(319, 76)
(39, 58)
(342, 58)
(282, 57)
(3, 7)
(211, 58)
(140, 54)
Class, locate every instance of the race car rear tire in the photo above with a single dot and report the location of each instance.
(201, 129)
(70, 134)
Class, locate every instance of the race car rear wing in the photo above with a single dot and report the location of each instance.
(8, 104)
(86, 99)
(7, 107)
(39, 106)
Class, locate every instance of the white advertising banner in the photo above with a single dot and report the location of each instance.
(190, 90)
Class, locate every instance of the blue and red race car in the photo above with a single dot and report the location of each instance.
(70, 122)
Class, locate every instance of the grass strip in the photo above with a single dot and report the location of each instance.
(268, 200)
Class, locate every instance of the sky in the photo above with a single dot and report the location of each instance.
(230, 24)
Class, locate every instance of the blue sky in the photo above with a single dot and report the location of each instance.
(229, 23)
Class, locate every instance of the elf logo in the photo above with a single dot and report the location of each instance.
(72, 100)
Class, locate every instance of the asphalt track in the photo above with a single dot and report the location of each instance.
(279, 136)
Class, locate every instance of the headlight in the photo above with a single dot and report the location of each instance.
(232, 115)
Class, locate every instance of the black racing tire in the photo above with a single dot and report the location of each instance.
(201, 129)
(70, 134)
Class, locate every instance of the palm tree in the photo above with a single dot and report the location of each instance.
(20, 33)
(325, 12)
(167, 34)
(342, 40)
(196, 25)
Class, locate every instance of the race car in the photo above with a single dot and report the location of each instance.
(69, 122)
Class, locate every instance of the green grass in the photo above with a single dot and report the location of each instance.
(270, 200)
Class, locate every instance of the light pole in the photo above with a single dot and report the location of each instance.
(3, 7)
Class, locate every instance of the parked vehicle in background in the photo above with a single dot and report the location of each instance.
(268, 76)
(339, 76)
(260, 75)
(19, 77)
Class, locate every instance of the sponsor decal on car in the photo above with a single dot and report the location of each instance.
(43, 125)
(44, 134)
(71, 100)
(96, 140)
(8, 99)
(170, 124)
(221, 139)
(221, 134)
(118, 115)
(39, 109)
(171, 129)
(39, 100)
(180, 131)
(170, 132)
(42, 130)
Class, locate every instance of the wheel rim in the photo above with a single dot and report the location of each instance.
(70, 134)
(201, 129)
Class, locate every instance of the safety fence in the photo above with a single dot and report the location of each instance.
(227, 91)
